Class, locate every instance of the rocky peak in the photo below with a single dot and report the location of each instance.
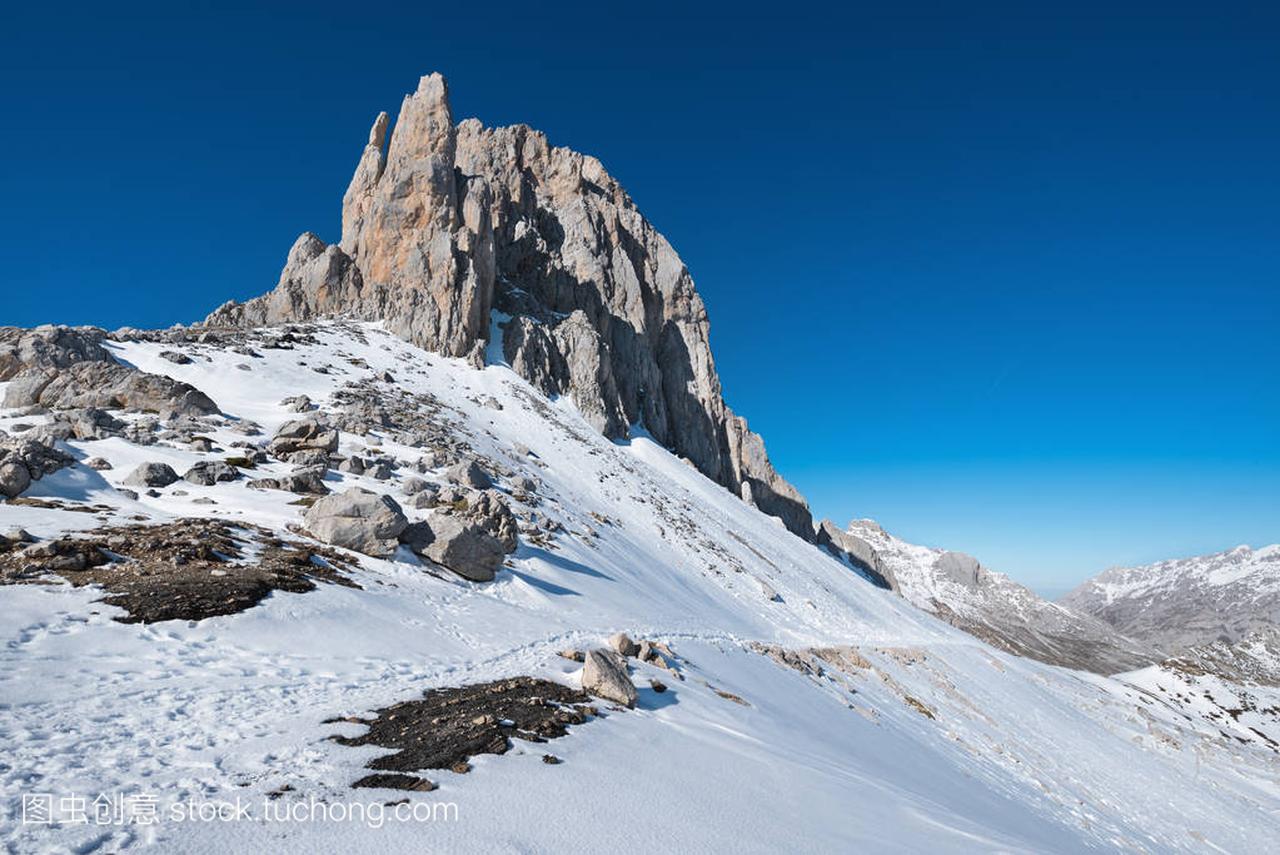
(444, 223)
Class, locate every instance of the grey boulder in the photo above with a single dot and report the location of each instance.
(604, 677)
(458, 544)
(210, 472)
(304, 435)
(152, 475)
(366, 522)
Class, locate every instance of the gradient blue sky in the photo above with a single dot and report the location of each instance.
(1002, 276)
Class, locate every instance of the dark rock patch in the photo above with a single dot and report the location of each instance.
(189, 569)
(449, 726)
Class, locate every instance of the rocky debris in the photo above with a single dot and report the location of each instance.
(91, 423)
(492, 514)
(24, 460)
(189, 569)
(859, 553)
(413, 486)
(308, 480)
(456, 543)
(49, 347)
(106, 385)
(658, 686)
(297, 404)
(301, 440)
(175, 357)
(428, 498)
(606, 677)
(572, 655)
(352, 465)
(151, 475)
(443, 222)
(380, 471)
(449, 726)
(622, 643)
(366, 522)
(16, 536)
(469, 474)
(210, 472)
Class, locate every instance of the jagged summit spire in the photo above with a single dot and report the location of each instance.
(448, 221)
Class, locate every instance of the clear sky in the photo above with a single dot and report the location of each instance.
(1003, 277)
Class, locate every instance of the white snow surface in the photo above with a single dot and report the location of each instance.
(940, 744)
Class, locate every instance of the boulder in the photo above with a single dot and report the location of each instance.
(458, 544)
(622, 643)
(99, 463)
(308, 480)
(25, 460)
(366, 522)
(152, 475)
(603, 677)
(313, 434)
(352, 465)
(209, 472)
(14, 478)
(468, 474)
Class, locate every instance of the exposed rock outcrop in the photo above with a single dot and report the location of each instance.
(64, 368)
(444, 222)
(859, 553)
(25, 460)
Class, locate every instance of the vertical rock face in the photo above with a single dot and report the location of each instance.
(445, 222)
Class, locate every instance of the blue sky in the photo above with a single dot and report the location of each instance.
(1004, 278)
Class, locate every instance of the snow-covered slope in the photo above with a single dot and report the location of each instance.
(993, 607)
(812, 710)
(1185, 602)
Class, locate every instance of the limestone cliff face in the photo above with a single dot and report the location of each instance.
(444, 223)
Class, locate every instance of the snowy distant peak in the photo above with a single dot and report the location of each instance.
(1185, 602)
(959, 589)
(445, 226)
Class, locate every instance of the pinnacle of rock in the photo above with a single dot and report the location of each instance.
(446, 222)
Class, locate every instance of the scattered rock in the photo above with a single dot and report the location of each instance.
(99, 463)
(573, 655)
(309, 480)
(210, 472)
(658, 686)
(175, 357)
(297, 404)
